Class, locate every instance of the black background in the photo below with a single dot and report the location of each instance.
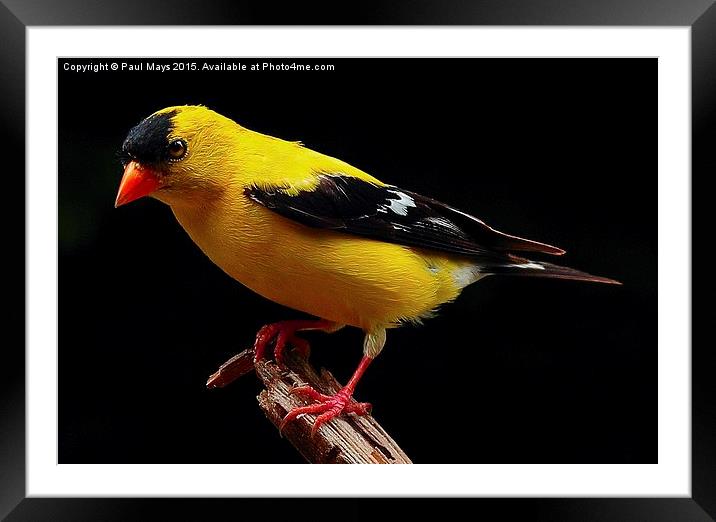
(516, 370)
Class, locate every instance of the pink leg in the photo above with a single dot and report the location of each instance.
(330, 406)
(285, 332)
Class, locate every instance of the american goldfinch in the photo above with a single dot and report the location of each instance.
(316, 234)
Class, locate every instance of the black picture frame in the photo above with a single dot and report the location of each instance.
(17, 15)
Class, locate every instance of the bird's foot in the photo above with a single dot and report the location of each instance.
(283, 333)
(327, 406)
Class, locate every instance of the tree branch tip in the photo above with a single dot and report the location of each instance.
(361, 440)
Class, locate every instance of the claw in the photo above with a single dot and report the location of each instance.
(294, 413)
(328, 406)
(279, 348)
(263, 338)
(309, 393)
(323, 418)
(283, 333)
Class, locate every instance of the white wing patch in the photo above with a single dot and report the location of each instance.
(400, 205)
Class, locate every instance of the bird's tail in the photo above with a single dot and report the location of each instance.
(525, 267)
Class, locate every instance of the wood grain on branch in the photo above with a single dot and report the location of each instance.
(347, 439)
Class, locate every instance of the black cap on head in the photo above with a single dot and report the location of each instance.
(147, 141)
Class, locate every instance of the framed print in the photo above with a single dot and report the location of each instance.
(539, 396)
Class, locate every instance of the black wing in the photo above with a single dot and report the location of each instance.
(391, 214)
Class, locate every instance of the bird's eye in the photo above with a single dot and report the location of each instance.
(176, 149)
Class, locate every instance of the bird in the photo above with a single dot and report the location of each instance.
(315, 234)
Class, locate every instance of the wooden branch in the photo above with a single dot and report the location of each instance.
(347, 439)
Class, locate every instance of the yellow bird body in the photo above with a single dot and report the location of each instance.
(315, 234)
(346, 279)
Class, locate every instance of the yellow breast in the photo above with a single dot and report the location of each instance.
(343, 278)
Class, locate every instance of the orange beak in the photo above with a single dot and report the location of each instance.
(138, 181)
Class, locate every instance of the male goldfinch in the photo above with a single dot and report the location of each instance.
(315, 234)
